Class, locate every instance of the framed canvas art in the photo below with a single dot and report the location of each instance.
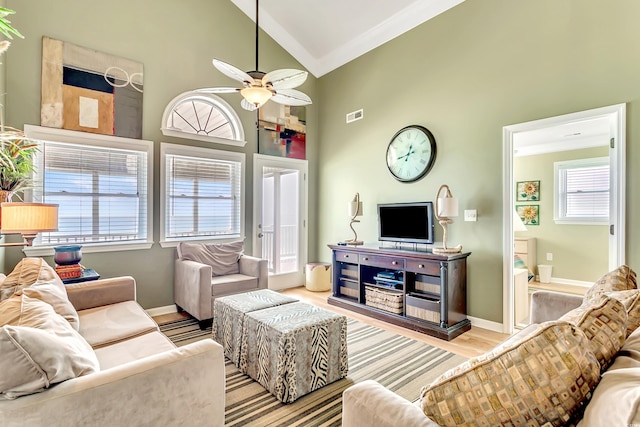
(282, 131)
(528, 191)
(529, 214)
(90, 91)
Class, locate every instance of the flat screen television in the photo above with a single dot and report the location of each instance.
(406, 222)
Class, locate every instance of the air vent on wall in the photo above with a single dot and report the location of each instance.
(355, 115)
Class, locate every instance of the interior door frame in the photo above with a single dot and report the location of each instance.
(286, 280)
(617, 156)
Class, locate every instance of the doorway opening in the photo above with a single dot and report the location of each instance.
(586, 130)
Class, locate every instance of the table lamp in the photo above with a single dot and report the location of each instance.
(355, 210)
(27, 219)
(518, 225)
(446, 208)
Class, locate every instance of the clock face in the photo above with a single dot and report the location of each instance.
(411, 153)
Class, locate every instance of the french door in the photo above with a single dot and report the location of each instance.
(280, 218)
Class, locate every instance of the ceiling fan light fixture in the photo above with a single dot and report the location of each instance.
(256, 95)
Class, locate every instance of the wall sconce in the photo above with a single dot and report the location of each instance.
(446, 208)
(27, 219)
(355, 210)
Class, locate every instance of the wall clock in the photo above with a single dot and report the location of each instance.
(411, 153)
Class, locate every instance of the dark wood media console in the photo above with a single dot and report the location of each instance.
(418, 290)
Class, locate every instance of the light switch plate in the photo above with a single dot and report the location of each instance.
(470, 215)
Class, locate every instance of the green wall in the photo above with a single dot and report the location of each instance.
(466, 74)
(176, 42)
(580, 252)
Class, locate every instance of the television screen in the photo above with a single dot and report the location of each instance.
(406, 222)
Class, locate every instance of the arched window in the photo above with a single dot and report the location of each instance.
(204, 117)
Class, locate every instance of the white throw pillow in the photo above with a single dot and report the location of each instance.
(41, 349)
(54, 293)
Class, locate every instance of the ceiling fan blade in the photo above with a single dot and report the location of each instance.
(218, 90)
(285, 79)
(232, 72)
(247, 105)
(291, 97)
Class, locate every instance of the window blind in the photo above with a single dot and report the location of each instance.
(203, 197)
(101, 192)
(583, 188)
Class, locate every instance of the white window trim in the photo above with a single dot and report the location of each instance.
(595, 161)
(109, 141)
(208, 153)
(216, 100)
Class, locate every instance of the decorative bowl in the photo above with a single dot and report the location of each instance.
(66, 255)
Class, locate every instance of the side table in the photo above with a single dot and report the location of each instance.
(87, 275)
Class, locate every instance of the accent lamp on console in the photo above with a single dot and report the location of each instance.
(446, 208)
(28, 219)
(355, 210)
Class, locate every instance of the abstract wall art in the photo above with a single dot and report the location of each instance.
(90, 91)
(282, 131)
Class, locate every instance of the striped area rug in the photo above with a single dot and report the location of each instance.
(401, 364)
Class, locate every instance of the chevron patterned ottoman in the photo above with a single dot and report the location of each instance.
(229, 314)
(294, 349)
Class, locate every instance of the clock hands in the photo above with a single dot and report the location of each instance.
(406, 156)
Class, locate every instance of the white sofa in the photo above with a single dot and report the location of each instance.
(615, 400)
(143, 379)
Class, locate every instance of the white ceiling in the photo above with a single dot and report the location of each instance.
(324, 35)
(569, 136)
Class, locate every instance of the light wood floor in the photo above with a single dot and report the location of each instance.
(471, 343)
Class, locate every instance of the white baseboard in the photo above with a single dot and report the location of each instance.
(486, 324)
(158, 311)
(571, 282)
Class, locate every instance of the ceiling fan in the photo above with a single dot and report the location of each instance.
(260, 87)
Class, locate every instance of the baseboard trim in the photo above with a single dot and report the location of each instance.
(571, 282)
(486, 324)
(159, 311)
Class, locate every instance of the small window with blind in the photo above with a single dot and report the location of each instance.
(582, 191)
(202, 192)
(101, 184)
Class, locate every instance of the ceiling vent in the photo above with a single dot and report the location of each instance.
(355, 115)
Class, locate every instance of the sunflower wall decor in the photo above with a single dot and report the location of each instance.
(530, 214)
(528, 191)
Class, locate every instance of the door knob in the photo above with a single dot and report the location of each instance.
(260, 235)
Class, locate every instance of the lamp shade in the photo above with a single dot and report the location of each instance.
(29, 218)
(355, 206)
(447, 207)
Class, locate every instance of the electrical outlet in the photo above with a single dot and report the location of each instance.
(549, 256)
(470, 215)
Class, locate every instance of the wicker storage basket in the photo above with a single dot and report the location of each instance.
(384, 300)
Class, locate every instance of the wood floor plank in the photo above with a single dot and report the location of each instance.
(471, 343)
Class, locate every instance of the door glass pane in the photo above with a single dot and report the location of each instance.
(280, 219)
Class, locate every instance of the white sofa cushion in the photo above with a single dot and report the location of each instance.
(112, 323)
(39, 349)
(53, 293)
(133, 349)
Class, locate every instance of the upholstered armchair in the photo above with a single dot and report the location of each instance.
(204, 272)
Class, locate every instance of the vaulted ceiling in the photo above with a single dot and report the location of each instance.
(323, 35)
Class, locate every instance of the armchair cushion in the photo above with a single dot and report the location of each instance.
(221, 257)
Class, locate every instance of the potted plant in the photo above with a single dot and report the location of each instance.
(16, 152)
(16, 166)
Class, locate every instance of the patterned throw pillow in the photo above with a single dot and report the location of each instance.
(622, 278)
(631, 301)
(603, 320)
(542, 378)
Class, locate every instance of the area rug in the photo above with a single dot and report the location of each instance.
(399, 363)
